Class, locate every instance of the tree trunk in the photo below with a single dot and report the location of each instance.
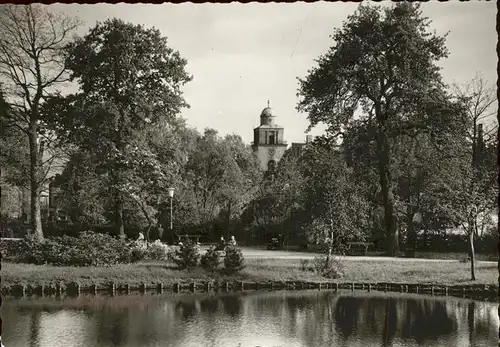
(35, 211)
(471, 308)
(228, 220)
(120, 229)
(410, 230)
(472, 255)
(330, 249)
(387, 196)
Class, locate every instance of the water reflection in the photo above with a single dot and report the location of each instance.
(249, 319)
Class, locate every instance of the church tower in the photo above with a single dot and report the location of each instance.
(268, 143)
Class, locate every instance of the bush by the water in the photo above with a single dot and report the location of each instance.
(233, 260)
(328, 267)
(142, 250)
(186, 256)
(10, 249)
(304, 265)
(210, 260)
(157, 251)
(137, 254)
(89, 249)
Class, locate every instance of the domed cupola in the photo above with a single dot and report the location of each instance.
(267, 116)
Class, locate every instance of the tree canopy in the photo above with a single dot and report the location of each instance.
(381, 70)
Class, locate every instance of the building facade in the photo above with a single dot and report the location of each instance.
(297, 148)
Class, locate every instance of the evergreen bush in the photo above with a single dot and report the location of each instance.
(233, 260)
(187, 256)
(210, 260)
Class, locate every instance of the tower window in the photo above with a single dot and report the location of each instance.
(272, 138)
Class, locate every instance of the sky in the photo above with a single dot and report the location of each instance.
(242, 55)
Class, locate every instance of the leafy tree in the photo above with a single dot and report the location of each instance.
(83, 193)
(130, 81)
(221, 174)
(32, 65)
(414, 154)
(157, 163)
(279, 204)
(337, 206)
(242, 178)
(13, 167)
(360, 153)
(382, 66)
(469, 188)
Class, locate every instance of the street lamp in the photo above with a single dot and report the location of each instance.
(171, 195)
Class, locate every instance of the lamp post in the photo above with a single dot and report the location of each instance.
(171, 195)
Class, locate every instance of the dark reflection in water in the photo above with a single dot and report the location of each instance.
(249, 319)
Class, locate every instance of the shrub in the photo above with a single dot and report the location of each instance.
(233, 260)
(319, 264)
(304, 264)
(186, 256)
(157, 251)
(90, 249)
(11, 249)
(137, 254)
(334, 269)
(328, 267)
(102, 249)
(210, 260)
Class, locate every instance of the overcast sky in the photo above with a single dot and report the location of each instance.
(242, 55)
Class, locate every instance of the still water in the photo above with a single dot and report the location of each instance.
(272, 319)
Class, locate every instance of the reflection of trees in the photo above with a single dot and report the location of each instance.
(479, 322)
(186, 309)
(391, 322)
(209, 305)
(232, 305)
(111, 326)
(309, 318)
(34, 328)
(346, 315)
(431, 320)
(422, 320)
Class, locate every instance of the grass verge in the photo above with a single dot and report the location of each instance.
(411, 271)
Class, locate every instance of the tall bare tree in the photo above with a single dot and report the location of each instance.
(32, 42)
(481, 103)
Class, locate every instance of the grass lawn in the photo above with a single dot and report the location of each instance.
(256, 270)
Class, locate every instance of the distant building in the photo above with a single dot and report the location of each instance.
(268, 141)
(297, 147)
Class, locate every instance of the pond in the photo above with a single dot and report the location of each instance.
(282, 318)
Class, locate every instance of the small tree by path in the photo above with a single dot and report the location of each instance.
(468, 190)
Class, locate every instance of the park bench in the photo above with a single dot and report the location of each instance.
(274, 244)
(357, 248)
(409, 252)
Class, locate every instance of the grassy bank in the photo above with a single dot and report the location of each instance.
(418, 254)
(414, 271)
